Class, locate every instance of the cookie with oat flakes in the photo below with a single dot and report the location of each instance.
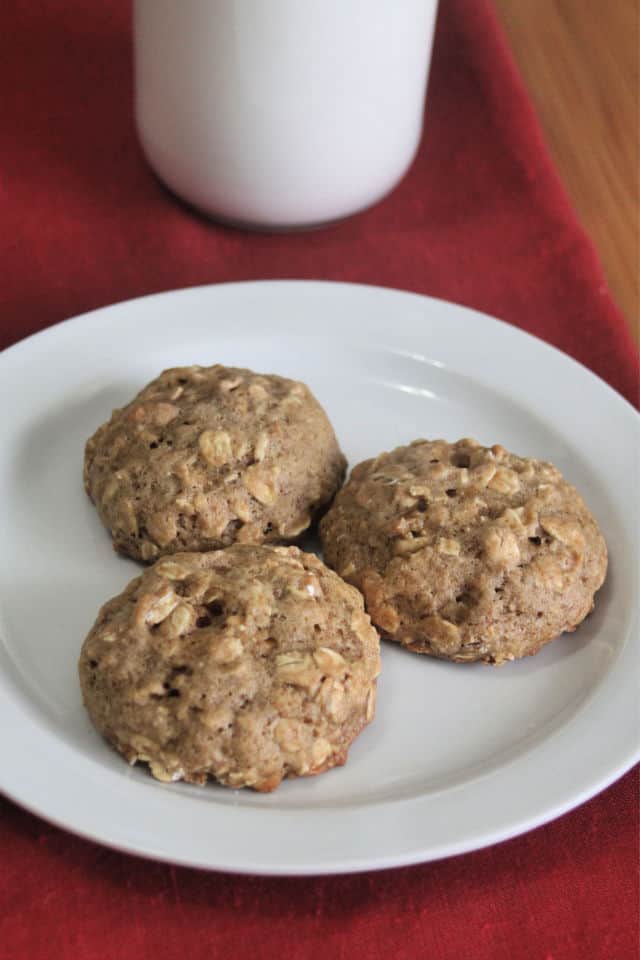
(245, 665)
(466, 552)
(208, 456)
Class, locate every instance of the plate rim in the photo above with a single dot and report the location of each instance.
(96, 312)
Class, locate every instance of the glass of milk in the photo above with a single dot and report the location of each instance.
(281, 114)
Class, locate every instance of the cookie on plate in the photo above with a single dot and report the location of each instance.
(208, 456)
(466, 552)
(246, 665)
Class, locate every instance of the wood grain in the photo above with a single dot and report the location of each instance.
(579, 60)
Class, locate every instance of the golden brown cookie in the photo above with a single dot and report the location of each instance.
(466, 552)
(208, 456)
(246, 665)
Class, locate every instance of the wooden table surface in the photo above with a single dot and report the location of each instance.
(579, 60)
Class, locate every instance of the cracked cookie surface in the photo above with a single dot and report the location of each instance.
(208, 456)
(246, 665)
(466, 552)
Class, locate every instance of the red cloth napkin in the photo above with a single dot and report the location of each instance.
(481, 219)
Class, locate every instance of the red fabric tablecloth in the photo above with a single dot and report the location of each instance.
(481, 219)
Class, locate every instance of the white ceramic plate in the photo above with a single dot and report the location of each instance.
(458, 756)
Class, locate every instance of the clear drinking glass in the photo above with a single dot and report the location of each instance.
(281, 113)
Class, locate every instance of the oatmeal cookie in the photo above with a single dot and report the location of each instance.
(466, 552)
(246, 665)
(208, 456)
